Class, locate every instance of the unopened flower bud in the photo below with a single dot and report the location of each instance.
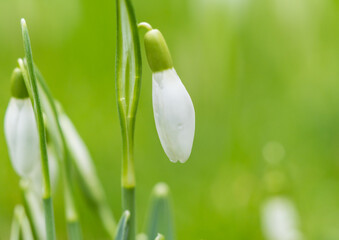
(157, 52)
(172, 105)
(18, 87)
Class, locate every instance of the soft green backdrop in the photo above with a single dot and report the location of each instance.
(257, 70)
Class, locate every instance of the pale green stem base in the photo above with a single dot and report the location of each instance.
(128, 203)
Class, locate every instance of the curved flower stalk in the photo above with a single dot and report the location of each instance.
(172, 105)
(280, 220)
(20, 129)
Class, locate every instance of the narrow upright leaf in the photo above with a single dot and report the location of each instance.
(128, 81)
(160, 237)
(128, 59)
(122, 229)
(47, 199)
(160, 216)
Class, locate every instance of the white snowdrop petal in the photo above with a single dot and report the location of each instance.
(27, 145)
(11, 119)
(22, 136)
(174, 115)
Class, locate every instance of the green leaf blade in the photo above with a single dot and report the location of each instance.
(123, 227)
(160, 216)
(49, 216)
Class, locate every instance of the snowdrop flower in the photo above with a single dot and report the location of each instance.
(20, 128)
(172, 105)
(280, 220)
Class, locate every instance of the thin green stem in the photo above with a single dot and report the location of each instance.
(50, 228)
(145, 25)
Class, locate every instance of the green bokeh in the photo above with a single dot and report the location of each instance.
(257, 70)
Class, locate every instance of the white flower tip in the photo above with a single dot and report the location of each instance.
(173, 161)
(181, 160)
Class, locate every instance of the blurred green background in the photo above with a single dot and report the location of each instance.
(258, 71)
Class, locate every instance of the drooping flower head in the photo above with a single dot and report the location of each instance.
(172, 105)
(20, 128)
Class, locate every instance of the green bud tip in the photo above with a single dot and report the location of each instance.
(157, 52)
(23, 22)
(18, 86)
(161, 190)
(142, 236)
(127, 214)
(160, 237)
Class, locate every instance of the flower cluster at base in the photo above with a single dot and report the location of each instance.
(172, 105)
